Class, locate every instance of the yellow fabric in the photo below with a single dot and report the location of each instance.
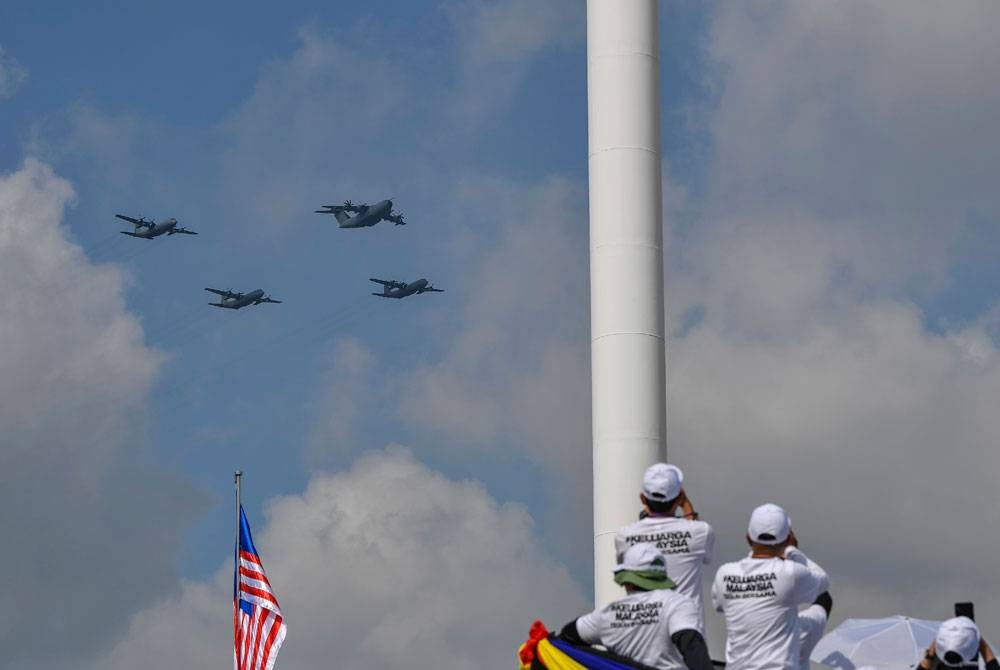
(555, 659)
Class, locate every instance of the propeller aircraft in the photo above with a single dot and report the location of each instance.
(400, 289)
(235, 300)
(147, 229)
(364, 215)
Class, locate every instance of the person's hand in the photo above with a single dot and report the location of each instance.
(985, 651)
(686, 507)
(928, 660)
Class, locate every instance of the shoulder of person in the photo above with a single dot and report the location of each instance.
(794, 568)
(634, 527)
(732, 567)
(703, 526)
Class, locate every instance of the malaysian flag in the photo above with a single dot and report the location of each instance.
(258, 629)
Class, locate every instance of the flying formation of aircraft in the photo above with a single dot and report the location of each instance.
(348, 215)
(400, 289)
(364, 215)
(147, 230)
(235, 300)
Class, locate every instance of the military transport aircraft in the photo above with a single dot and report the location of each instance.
(234, 300)
(400, 289)
(147, 230)
(364, 215)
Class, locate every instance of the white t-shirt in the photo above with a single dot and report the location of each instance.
(686, 544)
(812, 623)
(640, 626)
(760, 598)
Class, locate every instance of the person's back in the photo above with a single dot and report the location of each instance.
(686, 544)
(652, 625)
(760, 595)
(639, 626)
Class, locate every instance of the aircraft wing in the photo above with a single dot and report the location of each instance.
(181, 231)
(330, 209)
(137, 222)
(397, 219)
(267, 298)
(391, 283)
(224, 294)
(431, 289)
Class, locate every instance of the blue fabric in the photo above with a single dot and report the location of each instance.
(592, 661)
(246, 544)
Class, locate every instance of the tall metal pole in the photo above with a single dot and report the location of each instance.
(628, 363)
(237, 477)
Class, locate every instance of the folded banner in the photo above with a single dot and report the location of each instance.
(541, 651)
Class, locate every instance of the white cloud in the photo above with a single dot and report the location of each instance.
(92, 530)
(871, 121)
(496, 44)
(388, 565)
(852, 159)
(310, 115)
(12, 75)
(348, 391)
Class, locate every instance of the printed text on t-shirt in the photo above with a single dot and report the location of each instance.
(749, 586)
(669, 542)
(628, 615)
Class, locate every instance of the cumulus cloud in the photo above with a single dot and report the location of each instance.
(91, 526)
(348, 390)
(852, 165)
(496, 44)
(864, 132)
(312, 113)
(12, 75)
(388, 565)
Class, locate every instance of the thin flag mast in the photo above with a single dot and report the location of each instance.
(237, 476)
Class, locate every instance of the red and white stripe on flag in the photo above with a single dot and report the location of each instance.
(260, 629)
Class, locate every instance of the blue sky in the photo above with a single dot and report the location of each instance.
(831, 225)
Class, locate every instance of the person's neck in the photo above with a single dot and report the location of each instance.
(767, 552)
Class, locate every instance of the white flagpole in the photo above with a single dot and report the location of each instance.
(237, 476)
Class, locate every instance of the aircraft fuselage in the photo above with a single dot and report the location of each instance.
(242, 301)
(369, 217)
(157, 229)
(407, 290)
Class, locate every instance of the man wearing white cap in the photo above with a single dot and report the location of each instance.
(760, 595)
(652, 625)
(684, 540)
(957, 645)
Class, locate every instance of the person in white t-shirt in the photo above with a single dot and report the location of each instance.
(652, 625)
(684, 540)
(760, 595)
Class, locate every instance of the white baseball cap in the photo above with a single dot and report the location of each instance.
(769, 524)
(645, 566)
(957, 641)
(662, 482)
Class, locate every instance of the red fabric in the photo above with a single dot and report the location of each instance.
(529, 649)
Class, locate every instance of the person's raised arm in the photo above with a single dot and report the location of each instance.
(988, 657)
(816, 582)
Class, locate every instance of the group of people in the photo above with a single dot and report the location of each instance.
(776, 600)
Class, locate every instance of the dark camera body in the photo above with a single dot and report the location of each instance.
(966, 610)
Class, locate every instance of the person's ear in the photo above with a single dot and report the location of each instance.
(642, 498)
(749, 541)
